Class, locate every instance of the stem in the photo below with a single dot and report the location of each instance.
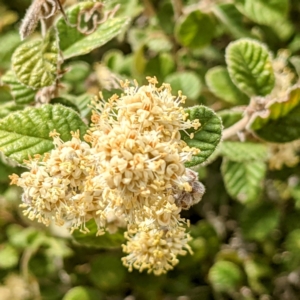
(177, 6)
(234, 129)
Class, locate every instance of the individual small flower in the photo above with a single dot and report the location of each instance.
(155, 250)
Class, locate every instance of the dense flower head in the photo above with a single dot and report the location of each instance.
(155, 249)
(129, 171)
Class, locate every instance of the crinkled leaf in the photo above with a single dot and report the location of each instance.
(9, 107)
(280, 122)
(243, 180)
(195, 30)
(74, 43)
(106, 241)
(187, 82)
(26, 133)
(5, 94)
(220, 83)
(264, 12)
(247, 151)
(207, 137)
(66, 102)
(35, 62)
(259, 221)
(225, 276)
(21, 93)
(250, 67)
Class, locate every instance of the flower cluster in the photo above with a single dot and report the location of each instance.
(128, 171)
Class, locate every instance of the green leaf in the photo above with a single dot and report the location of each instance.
(264, 12)
(207, 137)
(225, 276)
(8, 257)
(246, 151)
(231, 19)
(74, 43)
(9, 107)
(106, 241)
(292, 243)
(77, 71)
(83, 293)
(162, 65)
(229, 117)
(117, 62)
(9, 42)
(35, 62)
(65, 102)
(258, 222)
(81, 102)
(127, 8)
(187, 82)
(250, 67)
(107, 272)
(26, 133)
(21, 93)
(219, 82)
(280, 122)
(243, 180)
(195, 30)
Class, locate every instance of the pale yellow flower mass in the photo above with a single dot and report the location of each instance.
(129, 171)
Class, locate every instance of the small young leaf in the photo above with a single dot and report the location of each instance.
(207, 137)
(26, 133)
(219, 82)
(74, 43)
(195, 30)
(187, 82)
(105, 241)
(21, 93)
(247, 151)
(243, 180)
(264, 12)
(35, 62)
(225, 276)
(281, 122)
(250, 67)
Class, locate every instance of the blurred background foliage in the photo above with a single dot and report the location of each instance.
(245, 247)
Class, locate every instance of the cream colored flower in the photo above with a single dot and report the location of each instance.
(155, 250)
(130, 170)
